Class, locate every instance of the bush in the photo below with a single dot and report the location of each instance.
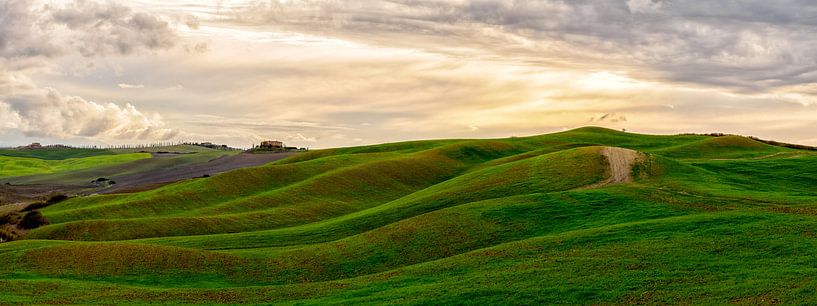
(35, 205)
(7, 234)
(32, 219)
(12, 218)
(56, 198)
(51, 200)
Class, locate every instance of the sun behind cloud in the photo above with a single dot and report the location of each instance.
(411, 69)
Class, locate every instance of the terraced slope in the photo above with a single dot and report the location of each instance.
(585, 216)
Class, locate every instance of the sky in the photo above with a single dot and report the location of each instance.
(329, 73)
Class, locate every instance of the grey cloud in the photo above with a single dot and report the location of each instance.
(29, 29)
(743, 45)
(32, 32)
(110, 28)
(18, 29)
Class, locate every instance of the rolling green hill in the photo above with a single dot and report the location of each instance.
(568, 217)
(19, 166)
(55, 153)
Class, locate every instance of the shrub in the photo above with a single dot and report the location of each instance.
(7, 234)
(51, 200)
(11, 218)
(32, 219)
(56, 198)
(35, 205)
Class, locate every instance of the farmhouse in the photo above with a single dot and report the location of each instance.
(32, 146)
(271, 144)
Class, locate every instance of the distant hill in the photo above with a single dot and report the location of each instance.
(587, 216)
(17, 166)
(173, 148)
(55, 153)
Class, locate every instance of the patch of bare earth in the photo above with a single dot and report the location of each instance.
(153, 179)
(620, 161)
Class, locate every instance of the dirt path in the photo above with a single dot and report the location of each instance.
(621, 163)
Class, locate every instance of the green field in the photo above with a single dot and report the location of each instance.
(123, 166)
(55, 153)
(20, 166)
(524, 220)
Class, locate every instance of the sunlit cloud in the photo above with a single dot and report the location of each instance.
(130, 86)
(341, 72)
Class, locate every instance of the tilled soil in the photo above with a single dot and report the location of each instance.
(153, 179)
(10, 194)
(139, 181)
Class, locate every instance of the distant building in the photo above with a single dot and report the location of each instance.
(32, 146)
(271, 144)
(212, 145)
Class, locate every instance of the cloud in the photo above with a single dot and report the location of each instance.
(19, 33)
(33, 29)
(644, 6)
(45, 112)
(111, 28)
(34, 34)
(747, 46)
(300, 138)
(609, 117)
(192, 22)
(197, 48)
(130, 86)
(420, 68)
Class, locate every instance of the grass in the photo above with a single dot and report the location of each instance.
(20, 166)
(55, 153)
(121, 167)
(705, 221)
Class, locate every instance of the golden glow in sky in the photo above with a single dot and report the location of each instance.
(339, 73)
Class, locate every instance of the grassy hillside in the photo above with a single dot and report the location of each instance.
(528, 220)
(723, 148)
(55, 153)
(18, 166)
(119, 168)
